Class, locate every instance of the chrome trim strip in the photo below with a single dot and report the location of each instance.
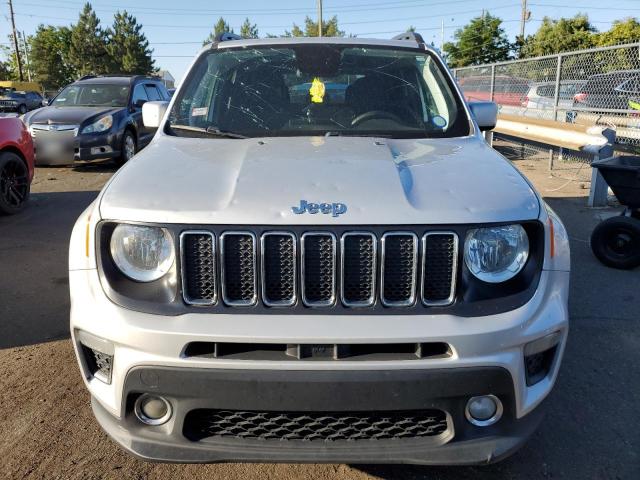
(454, 268)
(372, 298)
(412, 299)
(185, 297)
(334, 241)
(279, 303)
(238, 303)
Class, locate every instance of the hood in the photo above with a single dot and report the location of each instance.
(67, 115)
(258, 181)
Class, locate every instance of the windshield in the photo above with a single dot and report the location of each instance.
(92, 95)
(318, 90)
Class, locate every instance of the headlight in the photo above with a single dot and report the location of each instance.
(98, 126)
(496, 254)
(142, 253)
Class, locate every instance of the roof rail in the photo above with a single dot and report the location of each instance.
(226, 36)
(415, 36)
(86, 77)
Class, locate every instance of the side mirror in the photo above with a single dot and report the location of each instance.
(45, 102)
(153, 113)
(485, 114)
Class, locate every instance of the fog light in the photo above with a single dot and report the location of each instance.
(483, 410)
(152, 410)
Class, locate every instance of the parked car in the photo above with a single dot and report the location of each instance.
(507, 90)
(20, 102)
(16, 165)
(359, 280)
(541, 95)
(97, 117)
(618, 90)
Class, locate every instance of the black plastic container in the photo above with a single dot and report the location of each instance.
(622, 174)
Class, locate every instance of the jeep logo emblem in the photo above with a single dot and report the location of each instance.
(335, 209)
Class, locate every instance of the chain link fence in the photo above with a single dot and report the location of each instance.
(599, 86)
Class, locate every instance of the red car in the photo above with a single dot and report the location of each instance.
(16, 165)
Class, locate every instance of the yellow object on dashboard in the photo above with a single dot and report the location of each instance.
(317, 90)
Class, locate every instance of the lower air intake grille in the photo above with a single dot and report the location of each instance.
(198, 268)
(314, 426)
(238, 268)
(318, 274)
(439, 257)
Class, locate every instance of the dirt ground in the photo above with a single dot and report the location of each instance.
(47, 429)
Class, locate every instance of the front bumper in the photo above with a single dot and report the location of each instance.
(85, 147)
(145, 342)
(447, 390)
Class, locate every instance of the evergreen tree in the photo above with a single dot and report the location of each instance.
(49, 56)
(556, 36)
(221, 26)
(128, 47)
(88, 47)
(248, 30)
(329, 29)
(482, 40)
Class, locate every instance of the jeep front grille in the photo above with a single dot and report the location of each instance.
(317, 269)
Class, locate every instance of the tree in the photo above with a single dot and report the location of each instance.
(622, 31)
(556, 36)
(88, 48)
(248, 30)
(482, 40)
(221, 26)
(128, 47)
(49, 56)
(329, 29)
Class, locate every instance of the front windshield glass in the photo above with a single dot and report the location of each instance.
(318, 90)
(92, 95)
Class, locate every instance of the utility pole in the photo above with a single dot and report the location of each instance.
(26, 55)
(15, 40)
(524, 16)
(319, 18)
(441, 34)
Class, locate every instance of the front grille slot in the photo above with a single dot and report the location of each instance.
(439, 268)
(315, 352)
(278, 254)
(398, 271)
(318, 269)
(198, 268)
(313, 426)
(359, 255)
(238, 251)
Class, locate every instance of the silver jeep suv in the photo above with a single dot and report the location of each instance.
(319, 259)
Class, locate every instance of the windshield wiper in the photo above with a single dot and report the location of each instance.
(209, 131)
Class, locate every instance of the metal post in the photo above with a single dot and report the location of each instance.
(550, 160)
(599, 188)
(15, 40)
(319, 18)
(556, 96)
(493, 81)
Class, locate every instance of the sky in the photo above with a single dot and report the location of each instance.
(176, 29)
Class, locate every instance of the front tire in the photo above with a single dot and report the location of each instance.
(128, 148)
(22, 109)
(14, 183)
(616, 242)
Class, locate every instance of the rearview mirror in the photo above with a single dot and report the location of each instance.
(153, 113)
(485, 114)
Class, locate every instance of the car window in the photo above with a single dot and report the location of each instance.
(163, 91)
(89, 95)
(139, 93)
(152, 92)
(317, 90)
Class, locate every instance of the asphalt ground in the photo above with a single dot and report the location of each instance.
(47, 429)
